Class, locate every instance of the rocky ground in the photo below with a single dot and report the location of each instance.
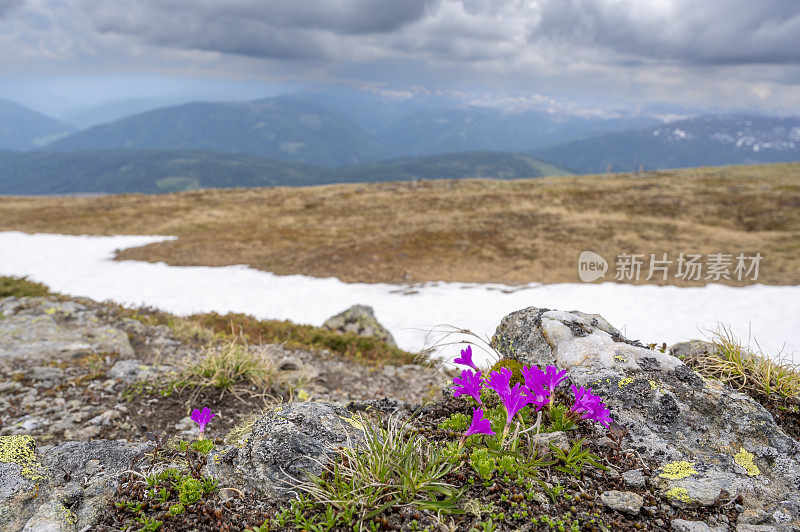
(81, 370)
(94, 434)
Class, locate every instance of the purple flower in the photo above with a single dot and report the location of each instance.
(479, 425)
(202, 418)
(466, 358)
(500, 381)
(553, 377)
(538, 395)
(534, 377)
(469, 384)
(513, 402)
(603, 415)
(589, 406)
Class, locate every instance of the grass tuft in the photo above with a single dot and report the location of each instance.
(396, 467)
(744, 369)
(229, 365)
(21, 287)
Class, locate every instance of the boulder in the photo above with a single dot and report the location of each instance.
(63, 489)
(359, 319)
(284, 444)
(709, 442)
(42, 329)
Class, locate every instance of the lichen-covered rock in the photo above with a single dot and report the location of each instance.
(62, 490)
(288, 441)
(712, 443)
(22, 476)
(85, 475)
(359, 319)
(41, 328)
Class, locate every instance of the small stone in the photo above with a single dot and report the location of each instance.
(9, 387)
(634, 478)
(45, 373)
(682, 525)
(559, 439)
(744, 527)
(622, 501)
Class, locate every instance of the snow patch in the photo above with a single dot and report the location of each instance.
(83, 266)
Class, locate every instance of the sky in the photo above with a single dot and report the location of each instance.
(60, 55)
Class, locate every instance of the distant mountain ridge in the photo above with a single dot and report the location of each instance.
(23, 129)
(276, 128)
(158, 171)
(703, 141)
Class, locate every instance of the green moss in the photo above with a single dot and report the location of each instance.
(21, 287)
(514, 365)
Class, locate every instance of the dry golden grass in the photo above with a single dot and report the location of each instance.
(743, 367)
(469, 230)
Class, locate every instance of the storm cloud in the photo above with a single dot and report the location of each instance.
(721, 32)
(726, 52)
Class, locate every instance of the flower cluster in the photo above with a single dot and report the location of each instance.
(538, 390)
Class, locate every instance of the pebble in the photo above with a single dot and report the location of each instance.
(634, 478)
(682, 525)
(622, 501)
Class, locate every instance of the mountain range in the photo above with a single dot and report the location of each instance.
(703, 141)
(327, 136)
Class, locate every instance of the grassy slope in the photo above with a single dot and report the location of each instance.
(468, 230)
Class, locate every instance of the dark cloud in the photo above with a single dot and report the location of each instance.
(261, 28)
(707, 32)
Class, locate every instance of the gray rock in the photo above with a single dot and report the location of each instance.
(36, 489)
(45, 373)
(690, 349)
(622, 501)
(21, 477)
(712, 442)
(132, 371)
(94, 468)
(761, 528)
(285, 443)
(559, 439)
(40, 329)
(359, 319)
(634, 478)
(682, 525)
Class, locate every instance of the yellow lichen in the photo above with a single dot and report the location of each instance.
(65, 515)
(620, 358)
(679, 494)
(303, 395)
(745, 459)
(677, 470)
(625, 381)
(21, 450)
(355, 423)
